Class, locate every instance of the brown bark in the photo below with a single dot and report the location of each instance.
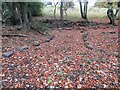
(25, 15)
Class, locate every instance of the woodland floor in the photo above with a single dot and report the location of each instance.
(81, 57)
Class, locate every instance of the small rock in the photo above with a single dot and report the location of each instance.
(21, 48)
(68, 28)
(90, 47)
(18, 27)
(85, 35)
(8, 54)
(82, 31)
(112, 32)
(27, 85)
(94, 27)
(37, 48)
(36, 44)
(11, 67)
(52, 87)
(60, 28)
(103, 33)
(79, 86)
(66, 86)
(49, 38)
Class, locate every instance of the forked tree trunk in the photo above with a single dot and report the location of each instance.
(81, 11)
(85, 9)
(55, 5)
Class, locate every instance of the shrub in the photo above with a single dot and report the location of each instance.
(36, 8)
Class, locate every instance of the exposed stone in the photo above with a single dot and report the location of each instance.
(37, 48)
(36, 44)
(68, 28)
(112, 32)
(7, 54)
(18, 27)
(49, 38)
(21, 48)
(90, 47)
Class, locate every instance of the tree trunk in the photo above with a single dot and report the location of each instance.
(81, 11)
(25, 15)
(16, 13)
(119, 18)
(85, 9)
(21, 12)
(12, 7)
(29, 12)
(116, 12)
(61, 10)
(65, 10)
(29, 15)
(55, 9)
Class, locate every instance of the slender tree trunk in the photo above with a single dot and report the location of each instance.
(15, 14)
(61, 10)
(116, 12)
(85, 9)
(20, 14)
(55, 5)
(55, 12)
(65, 10)
(21, 11)
(29, 12)
(81, 11)
(12, 7)
(119, 23)
(55, 9)
(30, 15)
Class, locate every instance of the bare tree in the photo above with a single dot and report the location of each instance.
(55, 5)
(67, 5)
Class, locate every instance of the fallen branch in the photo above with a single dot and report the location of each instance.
(14, 35)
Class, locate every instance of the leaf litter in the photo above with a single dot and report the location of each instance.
(64, 61)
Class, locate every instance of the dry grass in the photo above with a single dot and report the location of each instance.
(74, 14)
